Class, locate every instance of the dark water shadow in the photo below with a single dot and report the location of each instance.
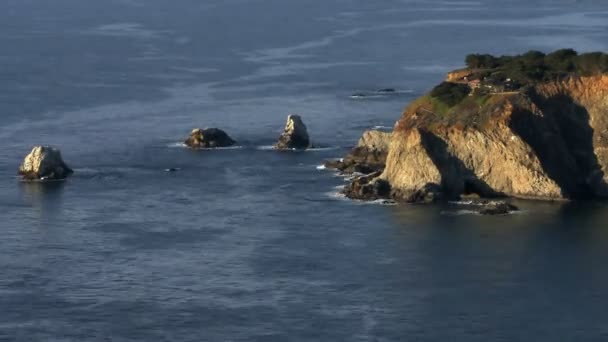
(45, 198)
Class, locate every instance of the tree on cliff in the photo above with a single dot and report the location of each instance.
(450, 93)
(592, 63)
(479, 61)
(534, 66)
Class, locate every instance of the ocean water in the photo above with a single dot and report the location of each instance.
(250, 244)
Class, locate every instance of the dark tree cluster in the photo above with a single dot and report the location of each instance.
(538, 66)
(450, 93)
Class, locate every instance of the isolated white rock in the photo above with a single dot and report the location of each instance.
(44, 163)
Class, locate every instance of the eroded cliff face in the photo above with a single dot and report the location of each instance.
(546, 142)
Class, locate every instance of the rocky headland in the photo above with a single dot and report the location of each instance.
(533, 126)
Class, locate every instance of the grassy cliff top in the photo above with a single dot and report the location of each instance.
(473, 96)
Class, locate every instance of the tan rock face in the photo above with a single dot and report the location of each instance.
(368, 156)
(408, 165)
(375, 140)
(458, 75)
(44, 163)
(549, 143)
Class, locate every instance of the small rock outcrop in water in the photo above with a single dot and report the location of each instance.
(368, 156)
(496, 208)
(368, 188)
(295, 135)
(44, 163)
(209, 138)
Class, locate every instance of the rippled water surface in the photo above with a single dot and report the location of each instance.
(248, 244)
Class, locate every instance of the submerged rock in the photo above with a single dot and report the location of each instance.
(497, 208)
(368, 156)
(295, 135)
(209, 138)
(44, 163)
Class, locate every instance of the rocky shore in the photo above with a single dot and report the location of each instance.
(480, 134)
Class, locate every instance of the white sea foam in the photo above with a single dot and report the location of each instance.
(237, 147)
(312, 149)
(266, 148)
(327, 148)
(321, 167)
(352, 176)
(176, 145)
(337, 195)
(465, 202)
(182, 145)
(460, 212)
(379, 202)
(382, 127)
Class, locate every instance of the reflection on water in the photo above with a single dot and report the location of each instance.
(45, 199)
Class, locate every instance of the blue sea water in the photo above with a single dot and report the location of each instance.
(248, 244)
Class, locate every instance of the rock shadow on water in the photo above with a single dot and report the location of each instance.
(45, 197)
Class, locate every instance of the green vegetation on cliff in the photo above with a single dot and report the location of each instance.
(535, 66)
(489, 77)
(450, 93)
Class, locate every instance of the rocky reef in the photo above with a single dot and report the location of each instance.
(368, 156)
(544, 139)
(208, 138)
(44, 163)
(294, 136)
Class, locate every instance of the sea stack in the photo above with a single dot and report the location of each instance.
(208, 138)
(295, 135)
(44, 163)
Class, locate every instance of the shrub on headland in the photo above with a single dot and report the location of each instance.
(450, 93)
(536, 66)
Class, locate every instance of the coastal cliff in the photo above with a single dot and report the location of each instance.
(544, 139)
